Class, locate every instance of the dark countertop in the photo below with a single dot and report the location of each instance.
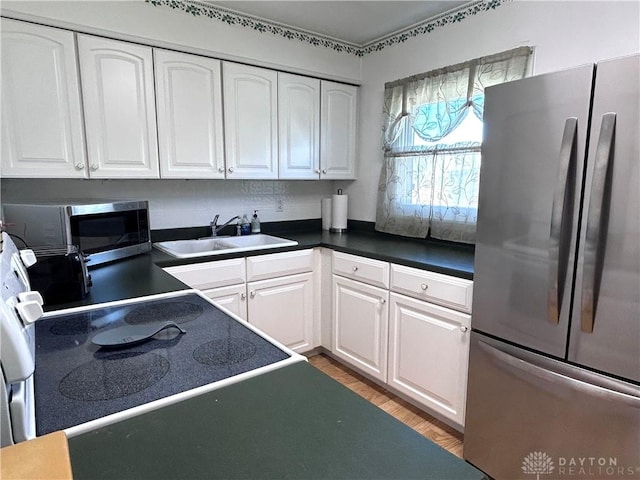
(128, 278)
(143, 275)
(446, 258)
(437, 257)
(294, 422)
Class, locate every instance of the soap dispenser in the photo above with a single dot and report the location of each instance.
(246, 226)
(255, 222)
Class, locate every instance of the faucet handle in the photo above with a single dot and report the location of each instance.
(214, 222)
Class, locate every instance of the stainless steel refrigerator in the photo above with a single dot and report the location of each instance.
(554, 367)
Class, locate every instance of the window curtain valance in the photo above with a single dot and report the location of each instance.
(434, 103)
(430, 187)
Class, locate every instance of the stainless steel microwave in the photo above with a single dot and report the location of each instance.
(102, 230)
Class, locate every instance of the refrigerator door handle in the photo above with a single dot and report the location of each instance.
(589, 383)
(562, 219)
(597, 217)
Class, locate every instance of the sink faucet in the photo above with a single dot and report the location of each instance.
(214, 224)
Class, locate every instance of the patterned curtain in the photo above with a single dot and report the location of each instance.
(429, 179)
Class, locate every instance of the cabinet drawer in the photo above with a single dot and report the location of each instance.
(210, 274)
(362, 269)
(432, 287)
(277, 264)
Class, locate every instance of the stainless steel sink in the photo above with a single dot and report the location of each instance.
(218, 245)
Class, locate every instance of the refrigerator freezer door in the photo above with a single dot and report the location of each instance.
(530, 182)
(528, 414)
(605, 328)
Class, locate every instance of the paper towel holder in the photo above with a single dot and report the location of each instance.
(338, 230)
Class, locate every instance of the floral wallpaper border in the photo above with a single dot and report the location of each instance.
(230, 17)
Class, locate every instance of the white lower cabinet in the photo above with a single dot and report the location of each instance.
(399, 325)
(360, 324)
(428, 354)
(273, 292)
(283, 308)
(233, 298)
(406, 327)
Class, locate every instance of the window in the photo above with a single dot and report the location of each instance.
(432, 126)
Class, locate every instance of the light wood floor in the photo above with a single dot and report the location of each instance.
(424, 424)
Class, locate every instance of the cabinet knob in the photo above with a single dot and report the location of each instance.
(252, 294)
(221, 169)
(79, 166)
(94, 167)
(383, 301)
(324, 170)
(230, 169)
(355, 269)
(243, 296)
(463, 329)
(424, 286)
(317, 171)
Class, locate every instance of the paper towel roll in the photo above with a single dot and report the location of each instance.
(339, 213)
(326, 213)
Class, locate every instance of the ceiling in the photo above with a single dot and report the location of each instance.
(357, 22)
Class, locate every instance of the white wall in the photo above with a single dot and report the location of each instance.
(186, 203)
(176, 203)
(135, 20)
(564, 34)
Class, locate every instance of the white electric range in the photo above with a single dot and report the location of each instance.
(19, 308)
(80, 386)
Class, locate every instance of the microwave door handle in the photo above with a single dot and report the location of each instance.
(597, 218)
(562, 219)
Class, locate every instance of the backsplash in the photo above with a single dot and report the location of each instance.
(186, 203)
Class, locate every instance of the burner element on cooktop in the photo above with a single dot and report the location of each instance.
(178, 312)
(114, 376)
(224, 352)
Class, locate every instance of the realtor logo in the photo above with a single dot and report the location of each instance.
(537, 463)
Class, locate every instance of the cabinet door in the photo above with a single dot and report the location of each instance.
(119, 103)
(233, 298)
(283, 309)
(250, 121)
(338, 131)
(298, 127)
(189, 100)
(360, 325)
(42, 134)
(428, 354)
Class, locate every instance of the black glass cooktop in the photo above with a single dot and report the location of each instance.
(77, 381)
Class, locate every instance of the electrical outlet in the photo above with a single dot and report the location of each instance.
(279, 204)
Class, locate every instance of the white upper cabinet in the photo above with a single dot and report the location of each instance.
(104, 108)
(42, 133)
(299, 127)
(189, 100)
(250, 121)
(119, 103)
(338, 129)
